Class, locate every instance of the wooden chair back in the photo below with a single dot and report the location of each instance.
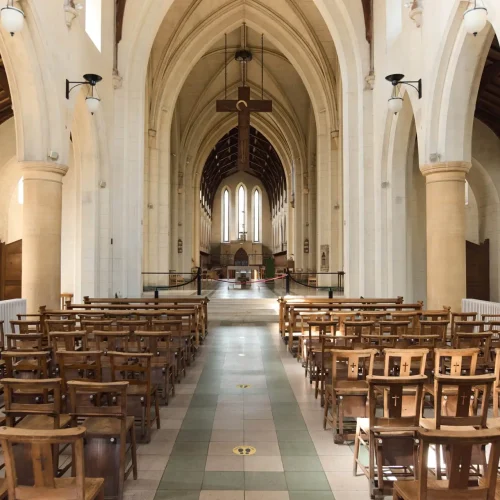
(405, 362)
(41, 443)
(159, 344)
(97, 399)
(26, 364)
(114, 340)
(65, 298)
(135, 368)
(84, 366)
(413, 317)
(468, 327)
(2, 335)
(435, 327)
(397, 412)
(24, 342)
(359, 328)
(437, 314)
(25, 326)
(395, 328)
(352, 365)
(90, 325)
(460, 447)
(60, 325)
(455, 361)
(473, 396)
(47, 401)
(68, 341)
(461, 316)
(131, 325)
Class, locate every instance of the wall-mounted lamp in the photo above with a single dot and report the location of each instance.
(475, 18)
(396, 102)
(91, 100)
(12, 18)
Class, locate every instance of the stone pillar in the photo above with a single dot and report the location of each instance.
(445, 199)
(41, 282)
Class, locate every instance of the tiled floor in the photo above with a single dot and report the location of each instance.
(191, 457)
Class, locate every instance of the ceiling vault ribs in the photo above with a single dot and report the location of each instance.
(264, 164)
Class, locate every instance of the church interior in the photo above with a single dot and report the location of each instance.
(249, 250)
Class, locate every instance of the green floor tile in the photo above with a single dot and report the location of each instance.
(296, 436)
(181, 463)
(177, 495)
(194, 435)
(307, 481)
(201, 424)
(290, 425)
(311, 495)
(297, 449)
(265, 481)
(190, 448)
(188, 480)
(301, 464)
(223, 481)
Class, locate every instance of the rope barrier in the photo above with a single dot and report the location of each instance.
(310, 286)
(166, 287)
(248, 281)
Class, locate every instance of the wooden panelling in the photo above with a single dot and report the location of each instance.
(478, 270)
(11, 270)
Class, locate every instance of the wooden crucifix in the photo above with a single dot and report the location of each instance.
(244, 106)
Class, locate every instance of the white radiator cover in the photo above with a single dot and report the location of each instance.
(480, 307)
(9, 309)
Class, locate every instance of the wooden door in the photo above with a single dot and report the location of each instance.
(241, 258)
(478, 270)
(11, 270)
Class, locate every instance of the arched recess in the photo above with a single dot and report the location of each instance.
(133, 59)
(86, 234)
(403, 208)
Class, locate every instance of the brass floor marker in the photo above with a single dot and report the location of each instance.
(242, 386)
(244, 450)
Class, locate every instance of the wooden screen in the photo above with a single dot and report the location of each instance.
(11, 270)
(478, 270)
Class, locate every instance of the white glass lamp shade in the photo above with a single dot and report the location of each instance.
(395, 104)
(475, 20)
(92, 104)
(12, 19)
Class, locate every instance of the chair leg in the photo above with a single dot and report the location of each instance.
(495, 403)
(325, 415)
(157, 411)
(356, 450)
(133, 451)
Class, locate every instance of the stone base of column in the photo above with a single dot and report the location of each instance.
(445, 199)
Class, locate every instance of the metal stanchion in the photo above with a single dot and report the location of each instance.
(198, 281)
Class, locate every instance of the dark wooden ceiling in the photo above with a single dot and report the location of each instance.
(488, 99)
(265, 164)
(6, 110)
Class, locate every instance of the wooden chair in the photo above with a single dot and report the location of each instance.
(26, 364)
(115, 340)
(468, 410)
(135, 368)
(60, 325)
(174, 329)
(46, 486)
(84, 366)
(461, 316)
(34, 405)
(460, 446)
(312, 344)
(480, 340)
(435, 327)
(24, 342)
(103, 409)
(359, 328)
(305, 337)
(163, 363)
(496, 385)
(348, 392)
(390, 430)
(413, 317)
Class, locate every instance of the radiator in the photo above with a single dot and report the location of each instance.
(9, 309)
(480, 307)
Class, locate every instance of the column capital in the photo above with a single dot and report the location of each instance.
(446, 167)
(43, 170)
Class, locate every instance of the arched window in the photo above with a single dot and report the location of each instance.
(225, 216)
(93, 14)
(241, 213)
(20, 191)
(256, 215)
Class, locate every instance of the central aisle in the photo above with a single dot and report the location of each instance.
(192, 457)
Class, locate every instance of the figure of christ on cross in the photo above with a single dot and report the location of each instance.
(244, 106)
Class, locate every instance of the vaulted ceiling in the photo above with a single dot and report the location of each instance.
(222, 162)
(488, 99)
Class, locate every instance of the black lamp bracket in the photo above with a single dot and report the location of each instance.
(397, 79)
(90, 79)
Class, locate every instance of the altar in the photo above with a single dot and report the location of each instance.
(248, 271)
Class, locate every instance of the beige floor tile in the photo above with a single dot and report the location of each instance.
(147, 480)
(164, 434)
(266, 495)
(155, 448)
(265, 448)
(258, 463)
(329, 448)
(171, 423)
(152, 462)
(222, 495)
(173, 413)
(221, 448)
(228, 424)
(340, 481)
(130, 494)
(260, 436)
(351, 495)
(252, 414)
(259, 425)
(332, 463)
(228, 436)
(224, 463)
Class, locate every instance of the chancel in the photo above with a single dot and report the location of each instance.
(249, 250)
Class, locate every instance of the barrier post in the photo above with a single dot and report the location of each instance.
(287, 282)
(156, 293)
(198, 281)
(330, 293)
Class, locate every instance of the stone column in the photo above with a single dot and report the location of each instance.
(445, 199)
(41, 282)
